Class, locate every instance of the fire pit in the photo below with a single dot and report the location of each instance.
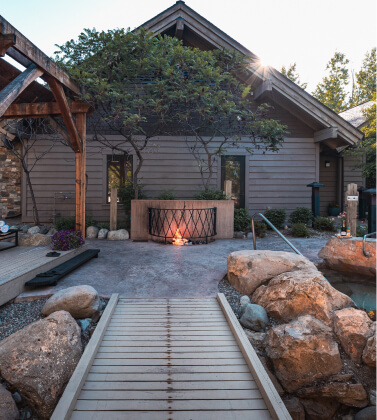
(183, 227)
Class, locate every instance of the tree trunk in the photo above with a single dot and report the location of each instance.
(35, 209)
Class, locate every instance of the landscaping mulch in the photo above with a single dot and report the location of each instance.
(232, 296)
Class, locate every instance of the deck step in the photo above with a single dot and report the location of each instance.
(51, 277)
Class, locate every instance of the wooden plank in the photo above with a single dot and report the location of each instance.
(66, 403)
(175, 405)
(134, 386)
(35, 55)
(42, 109)
(17, 86)
(113, 208)
(193, 370)
(163, 361)
(80, 173)
(6, 42)
(149, 343)
(352, 208)
(175, 356)
(171, 394)
(158, 349)
(59, 95)
(325, 134)
(172, 338)
(180, 415)
(274, 403)
(158, 334)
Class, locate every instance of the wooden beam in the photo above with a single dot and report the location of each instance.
(326, 134)
(179, 28)
(36, 56)
(263, 88)
(58, 92)
(41, 109)
(6, 42)
(81, 175)
(17, 86)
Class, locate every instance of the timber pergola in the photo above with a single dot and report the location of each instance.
(22, 97)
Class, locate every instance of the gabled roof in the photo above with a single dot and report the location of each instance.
(355, 115)
(183, 22)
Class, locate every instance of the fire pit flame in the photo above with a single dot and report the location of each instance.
(178, 240)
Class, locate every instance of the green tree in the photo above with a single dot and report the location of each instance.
(144, 86)
(332, 91)
(292, 74)
(364, 87)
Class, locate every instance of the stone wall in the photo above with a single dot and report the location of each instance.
(10, 183)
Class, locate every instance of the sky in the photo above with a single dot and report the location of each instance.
(280, 32)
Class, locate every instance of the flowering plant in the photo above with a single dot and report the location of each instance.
(333, 204)
(64, 240)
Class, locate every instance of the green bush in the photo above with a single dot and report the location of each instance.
(241, 220)
(126, 194)
(324, 224)
(260, 229)
(69, 223)
(276, 217)
(103, 226)
(361, 230)
(210, 194)
(167, 195)
(300, 230)
(301, 215)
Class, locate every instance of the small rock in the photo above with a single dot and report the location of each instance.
(320, 408)
(368, 413)
(239, 235)
(52, 231)
(249, 235)
(44, 230)
(118, 235)
(96, 317)
(84, 324)
(80, 301)
(17, 398)
(352, 327)
(8, 408)
(295, 408)
(369, 352)
(102, 234)
(34, 230)
(25, 228)
(372, 397)
(244, 300)
(255, 338)
(92, 232)
(14, 228)
(254, 317)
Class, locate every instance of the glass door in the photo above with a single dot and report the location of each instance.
(233, 169)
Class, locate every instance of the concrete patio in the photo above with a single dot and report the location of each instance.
(151, 270)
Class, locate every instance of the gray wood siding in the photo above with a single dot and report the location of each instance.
(352, 175)
(327, 177)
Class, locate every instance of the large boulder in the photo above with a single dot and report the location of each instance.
(320, 408)
(34, 240)
(369, 352)
(347, 255)
(118, 235)
(254, 317)
(8, 408)
(247, 270)
(80, 301)
(353, 395)
(92, 232)
(295, 408)
(297, 293)
(34, 230)
(353, 328)
(39, 360)
(302, 352)
(368, 413)
(102, 234)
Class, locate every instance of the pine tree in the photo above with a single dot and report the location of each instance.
(332, 90)
(365, 87)
(292, 74)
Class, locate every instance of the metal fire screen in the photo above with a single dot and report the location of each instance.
(195, 225)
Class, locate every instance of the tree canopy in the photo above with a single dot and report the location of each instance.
(144, 86)
(293, 75)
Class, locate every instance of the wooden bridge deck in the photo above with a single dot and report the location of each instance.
(169, 359)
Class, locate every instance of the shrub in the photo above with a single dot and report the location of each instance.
(64, 240)
(276, 217)
(103, 226)
(300, 230)
(361, 230)
(69, 223)
(167, 195)
(126, 194)
(324, 224)
(241, 219)
(301, 215)
(210, 194)
(260, 229)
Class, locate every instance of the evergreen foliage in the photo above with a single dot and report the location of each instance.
(292, 74)
(276, 217)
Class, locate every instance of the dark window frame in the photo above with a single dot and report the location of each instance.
(125, 160)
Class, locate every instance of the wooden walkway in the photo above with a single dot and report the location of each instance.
(169, 359)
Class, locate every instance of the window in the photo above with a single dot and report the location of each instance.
(119, 172)
(233, 169)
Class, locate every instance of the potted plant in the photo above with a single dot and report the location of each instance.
(334, 208)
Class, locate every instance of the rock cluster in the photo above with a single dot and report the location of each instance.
(35, 235)
(313, 324)
(37, 361)
(93, 232)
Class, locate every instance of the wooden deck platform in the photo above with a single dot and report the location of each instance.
(20, 264)
(169, 359)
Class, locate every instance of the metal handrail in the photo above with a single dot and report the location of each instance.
(366, 253)
(273, 227)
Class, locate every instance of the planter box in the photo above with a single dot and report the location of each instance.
(140, 221)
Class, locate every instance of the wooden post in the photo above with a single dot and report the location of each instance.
(113, 208)
(352, 201)
(81, 175)
(228, 189)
